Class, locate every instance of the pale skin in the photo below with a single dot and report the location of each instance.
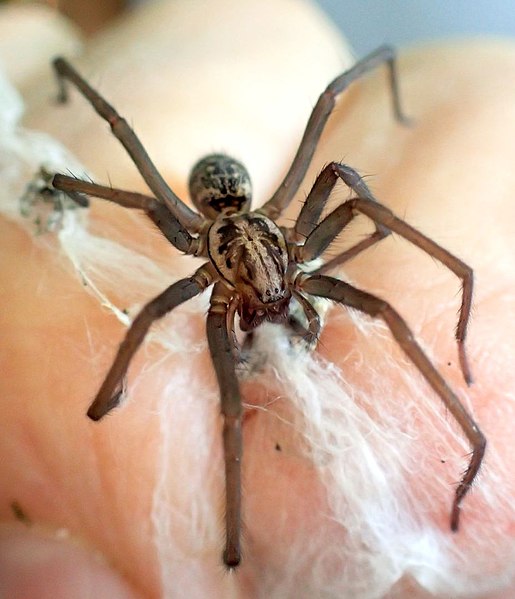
(438, 175)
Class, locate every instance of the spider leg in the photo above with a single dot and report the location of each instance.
(109, 395)
(171, 228)
(353, 251)
(355, 298)
(316, 123)
(365, 203)
(187, 217)
(222, 354)
(308, 221)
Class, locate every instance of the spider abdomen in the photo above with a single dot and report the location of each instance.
(249, 251)
(220, 183)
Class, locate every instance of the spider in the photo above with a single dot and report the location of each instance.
(254, 266)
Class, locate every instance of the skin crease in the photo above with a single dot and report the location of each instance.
(450, 175)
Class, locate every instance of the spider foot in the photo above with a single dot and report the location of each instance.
(464, 365)
(100, 407)
(45, 205)
(478, 451)
(455, 517)
(62, 93)
(231, 557)
(405, 121)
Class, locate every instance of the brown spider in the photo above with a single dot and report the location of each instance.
(253, 265)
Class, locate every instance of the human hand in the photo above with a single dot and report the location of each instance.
(144, 487)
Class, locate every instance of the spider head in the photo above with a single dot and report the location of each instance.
(253, 313)
(219, 184)
(250, 252)
(260, 276)
(261, 283)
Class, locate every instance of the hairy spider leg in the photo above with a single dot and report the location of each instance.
(187, 217)
(347, 295)
(309, 218)
(220, 340)
(366, 204)
(274, 207)
(171, 228)
(111, 390)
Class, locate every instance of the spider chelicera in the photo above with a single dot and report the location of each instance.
(254, 266)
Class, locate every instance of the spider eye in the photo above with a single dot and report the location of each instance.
(219, 184)
(224, 202)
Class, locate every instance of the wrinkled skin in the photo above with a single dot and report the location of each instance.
(451, 175)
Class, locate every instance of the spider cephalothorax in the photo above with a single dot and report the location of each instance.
(249, 251)
(255, 267)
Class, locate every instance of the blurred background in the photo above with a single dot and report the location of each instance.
(366, 23)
